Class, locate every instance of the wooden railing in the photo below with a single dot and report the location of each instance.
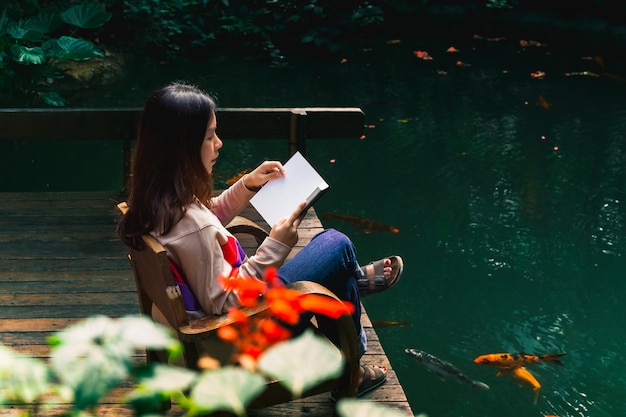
(295, 125)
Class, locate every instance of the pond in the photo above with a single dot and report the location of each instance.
(507, 186)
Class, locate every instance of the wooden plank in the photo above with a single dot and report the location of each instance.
(41, 266)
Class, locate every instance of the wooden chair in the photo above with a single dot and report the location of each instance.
(160, 298)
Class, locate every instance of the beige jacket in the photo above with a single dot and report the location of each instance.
(195, 245)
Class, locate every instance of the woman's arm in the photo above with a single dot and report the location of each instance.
(233, 200)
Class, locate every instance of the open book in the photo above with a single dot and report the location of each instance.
(279, 198)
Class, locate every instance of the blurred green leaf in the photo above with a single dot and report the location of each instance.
(163, 379)
(86, 16)
(350, 407)
(22, 379)
(158, 383)
(227, 389)
(302, 362)
(93, 355)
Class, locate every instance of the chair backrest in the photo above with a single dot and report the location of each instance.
(155, 281)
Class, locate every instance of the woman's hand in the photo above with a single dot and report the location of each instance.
(267, 171)
(286, 229)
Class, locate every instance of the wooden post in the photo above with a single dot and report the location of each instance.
(297, 131)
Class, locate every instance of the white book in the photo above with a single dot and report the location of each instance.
(279, 198)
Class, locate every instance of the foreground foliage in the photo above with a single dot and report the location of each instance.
(94, 356)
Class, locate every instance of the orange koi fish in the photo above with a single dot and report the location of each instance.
(522, 376)
(513, 360)
(236, 177)
(367, 225)
(524, 43)
(542, 102)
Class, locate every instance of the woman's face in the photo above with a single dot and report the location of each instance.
(210, 146)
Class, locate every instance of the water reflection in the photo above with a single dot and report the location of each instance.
(510, 214)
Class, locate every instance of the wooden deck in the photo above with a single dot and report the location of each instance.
(64, 243)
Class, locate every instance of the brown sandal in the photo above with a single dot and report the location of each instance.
(377, 282)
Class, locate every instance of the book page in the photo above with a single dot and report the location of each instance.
(279, 198)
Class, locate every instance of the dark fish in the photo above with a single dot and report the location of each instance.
(367, 225)
(444, 369)
(389, 323)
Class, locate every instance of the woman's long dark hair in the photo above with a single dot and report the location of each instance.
(168, 173)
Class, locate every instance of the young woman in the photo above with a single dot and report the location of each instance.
(172, 199)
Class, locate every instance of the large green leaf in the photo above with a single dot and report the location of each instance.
(25, 55)
(163, 379)
(68, 48)
(4, 22)
(302, 362)
(86, 16)
(350, 407)
(46, 22)
(23, 30)
(228, 389)
(158, 383)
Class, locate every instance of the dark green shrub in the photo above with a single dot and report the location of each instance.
(266, 28)
(30, 48)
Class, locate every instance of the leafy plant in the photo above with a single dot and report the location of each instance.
(30, 49)
(260, 28)
(94, 356)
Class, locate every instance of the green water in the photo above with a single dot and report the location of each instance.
(511, 216)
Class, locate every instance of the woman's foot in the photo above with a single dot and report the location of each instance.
(380, 275)
(372, 377)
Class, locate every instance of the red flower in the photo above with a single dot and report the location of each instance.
(252, 335)
(323, 305)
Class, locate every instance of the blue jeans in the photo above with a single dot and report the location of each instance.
(330, 260)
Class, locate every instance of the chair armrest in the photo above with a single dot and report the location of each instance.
(243, 225)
